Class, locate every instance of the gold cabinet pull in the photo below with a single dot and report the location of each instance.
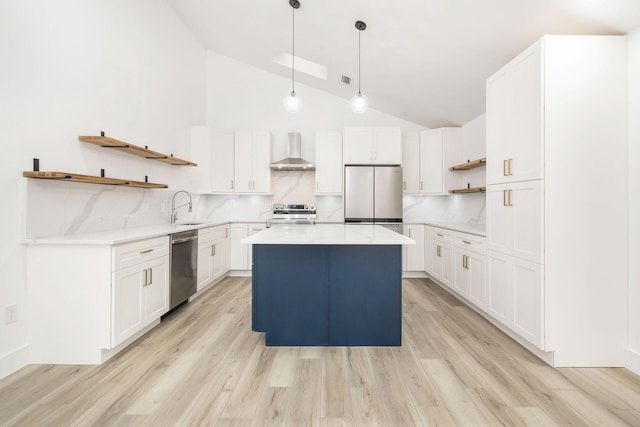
(467, 242)
(213, 250)
(150, 276)
(146, 278)
(439, 234)
(504, 198)
(504, 167)
(438, 250)
(510, 172)
(146, 251)
(510, 191)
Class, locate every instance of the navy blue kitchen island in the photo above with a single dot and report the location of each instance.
(335, 285)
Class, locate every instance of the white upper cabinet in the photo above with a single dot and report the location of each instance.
(514, 119)
(252, 161)
(373, 146)
(329, 162)
(439, 149)
(230, 162)
(411, 162)
(426, 157)
(222, 163)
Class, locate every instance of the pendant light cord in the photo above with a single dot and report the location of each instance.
(293, 49)
(359, 76)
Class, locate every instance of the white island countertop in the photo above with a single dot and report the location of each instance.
(327, 234)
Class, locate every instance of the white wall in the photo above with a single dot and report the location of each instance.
(633, 44)
(74, 67)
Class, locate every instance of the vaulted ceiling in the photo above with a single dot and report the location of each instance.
(425, 61)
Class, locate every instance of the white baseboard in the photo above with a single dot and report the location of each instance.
(414, 275)
(14, 361)
(632, 361)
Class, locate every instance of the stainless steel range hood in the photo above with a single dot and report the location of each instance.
(293, 162)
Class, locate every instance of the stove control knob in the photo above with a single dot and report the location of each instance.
(312, 206)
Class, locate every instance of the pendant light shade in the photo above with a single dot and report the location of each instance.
(359, 102)
(292, 103)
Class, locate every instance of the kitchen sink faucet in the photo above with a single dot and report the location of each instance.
(174, 208)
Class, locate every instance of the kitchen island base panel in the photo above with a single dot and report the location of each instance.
(305, 295)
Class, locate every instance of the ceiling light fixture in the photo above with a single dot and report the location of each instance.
(359, 102)
(291, 102)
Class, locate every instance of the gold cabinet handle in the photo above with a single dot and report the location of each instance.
(510, 191)
(439, 234)
(504, 167)
(213, 250)
(146, 277)
(465, 261)
(510, 161)
(150, 276)
(146, 251)
(438, 250)
(504, 198)
(467, 242)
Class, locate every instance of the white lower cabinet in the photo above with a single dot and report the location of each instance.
(442, 256)
(515, 295)
(87, 301)
(140, 289)
(213, 254)
(140, 296)
(241, 254)
(470, 276)
(415, 253)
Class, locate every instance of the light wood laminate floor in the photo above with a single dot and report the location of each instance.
(204, 366)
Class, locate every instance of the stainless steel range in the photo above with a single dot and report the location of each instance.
(293, 213)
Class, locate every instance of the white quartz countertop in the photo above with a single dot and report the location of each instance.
(116, 237)
(328, 234)
(477, 229)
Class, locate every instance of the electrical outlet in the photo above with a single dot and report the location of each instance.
(10, 314)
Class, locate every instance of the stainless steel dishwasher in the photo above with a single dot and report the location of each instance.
(184, 266)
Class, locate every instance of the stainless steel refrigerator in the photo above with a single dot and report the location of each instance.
(373, 195)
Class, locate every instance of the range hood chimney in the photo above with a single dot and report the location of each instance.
(293, 162)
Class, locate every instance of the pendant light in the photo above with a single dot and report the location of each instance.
(292, 102)
(359, 102)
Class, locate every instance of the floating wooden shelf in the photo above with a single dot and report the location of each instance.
(90, 179)
(107, 142)
(469, 165)
(469, 190)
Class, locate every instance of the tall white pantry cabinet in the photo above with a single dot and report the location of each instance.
(556, 198)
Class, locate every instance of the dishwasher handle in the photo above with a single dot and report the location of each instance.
(185, 239)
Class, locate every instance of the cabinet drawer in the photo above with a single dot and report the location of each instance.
(134, 253)
(441, 235)
(470, 242)
(212, 233)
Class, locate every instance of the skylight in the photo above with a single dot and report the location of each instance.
(302, 65)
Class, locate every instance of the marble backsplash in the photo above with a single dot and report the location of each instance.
(64, 208)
